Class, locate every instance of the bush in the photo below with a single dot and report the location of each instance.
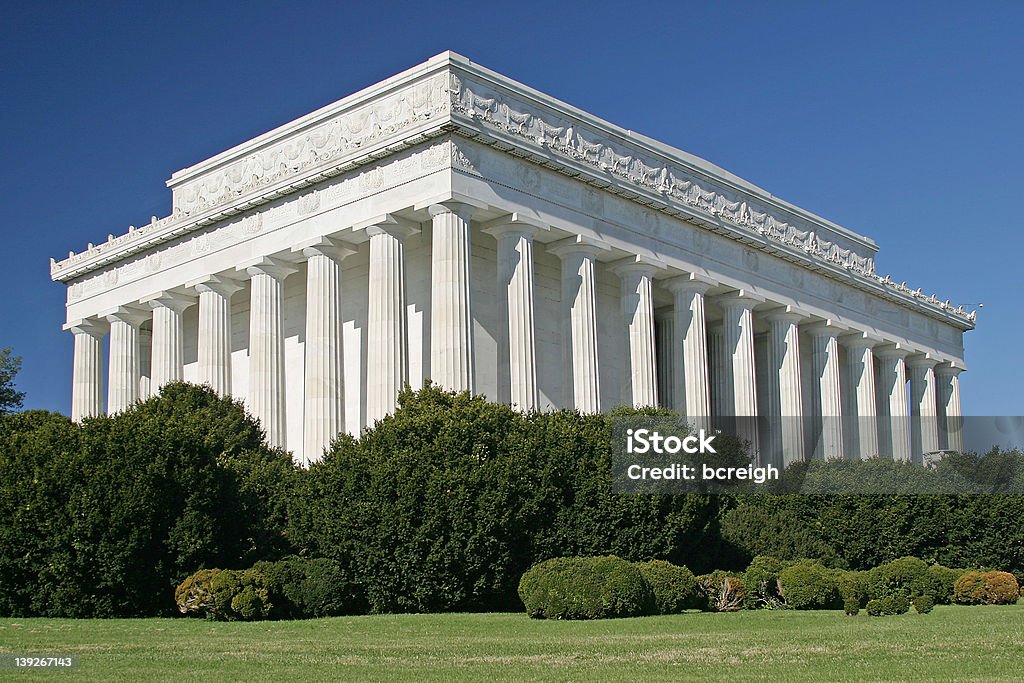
(809, 585)
(756, 529)
(445, 504)
(851, 606)
(761, 583)
(301, 588)
(907, 577)
(675, 588)
(852, 587)
(106, 518)
(585, 588)
(986, 588)
(888, 606)
(942, 580)
(194, 595)
(923, 604)
(240, 595)
(723, 591)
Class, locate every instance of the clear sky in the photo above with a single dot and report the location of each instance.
(902, 121)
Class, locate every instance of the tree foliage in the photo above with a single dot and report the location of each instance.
(11, 399)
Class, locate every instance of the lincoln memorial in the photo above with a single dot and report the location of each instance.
(454, 225)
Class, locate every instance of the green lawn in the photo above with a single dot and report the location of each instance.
(952, 643)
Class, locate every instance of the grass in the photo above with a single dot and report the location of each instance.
(951, 643)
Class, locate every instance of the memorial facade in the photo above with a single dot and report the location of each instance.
(454, 225)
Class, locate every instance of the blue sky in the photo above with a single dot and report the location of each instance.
(901, 121)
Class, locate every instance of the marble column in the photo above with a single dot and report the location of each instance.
(387, 362)
(168, 353)
(785, 395)
(827, 398)
(123, 372)
(581, 381)
(740, 368)
(924, 427)
(861, 374)
(637, 302)
(947, 379)
(323, 395)
(892, 385)
(266, 346)
(690, 377)
(451, 319)
(515, 280)
(215, 331)
(87, 377)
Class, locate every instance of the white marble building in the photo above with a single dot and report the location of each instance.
(452, 224)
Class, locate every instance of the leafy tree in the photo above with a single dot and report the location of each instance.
(11, 399)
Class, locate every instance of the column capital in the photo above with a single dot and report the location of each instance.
(858, 339)
(219, 284)
(516, 223)
(644, 265)
(741, 298)
(577, 244)
(94, 327)
(175, 301)
(689, 282)
(921, 360)
(461, 207)
(789, 314)
(388, 224)
(825, 328)
(949, 368)
(271, 266)
(331, 247)
(891, 350)
(126, 314)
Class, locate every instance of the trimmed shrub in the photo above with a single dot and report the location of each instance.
(923, 604)
(585, 588)
(809, 585)
(302, 588)
(907, 577)
(723, 590)
(890, 605)
(986, 588)
(942, 580)
(761, 583)
(851, 606)
(194, 595)
(853, 588)
(675, 588)
(225, 595)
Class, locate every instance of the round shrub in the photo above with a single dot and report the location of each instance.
(723, 591)
(585, 588)
(852, 587)
(675, 588)
(907, 576)
(194, 595)
(888, 606)
(239, 595)
(943, 580)
(301, 588)
(851, 606)
(809, 585)
(986, 588)
(923, 604)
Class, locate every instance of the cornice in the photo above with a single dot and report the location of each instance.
(449, 93)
